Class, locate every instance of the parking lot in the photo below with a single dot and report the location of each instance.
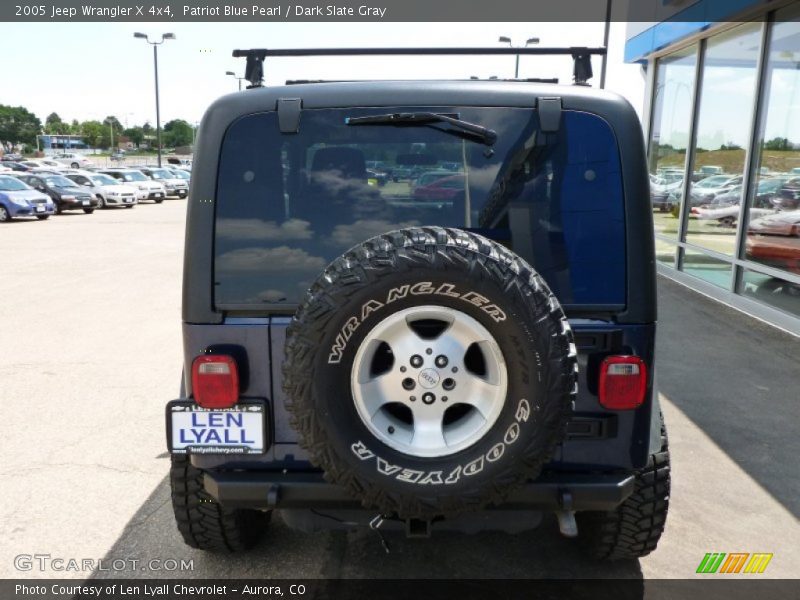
(91, 352)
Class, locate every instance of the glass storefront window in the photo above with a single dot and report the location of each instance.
(723, 133)
(707, 268)
(773, 233)
(672, 115)
(665, 252)
(777, 293)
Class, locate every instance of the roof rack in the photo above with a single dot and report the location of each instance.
(518, 80)
(254, 70)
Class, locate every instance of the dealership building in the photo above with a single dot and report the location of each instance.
(722, 119)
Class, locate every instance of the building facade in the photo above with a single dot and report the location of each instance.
(722, 119)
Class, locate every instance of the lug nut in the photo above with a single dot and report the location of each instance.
(428, 351)
(441, 361)
(416, 361)
(449, 384)
(408, 384)
(391, 429)
(454, 369)
(402, 369)
(428, 398)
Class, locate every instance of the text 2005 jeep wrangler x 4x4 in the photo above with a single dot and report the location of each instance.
(426, 304)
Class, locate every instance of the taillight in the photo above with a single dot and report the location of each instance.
(623, 382)
(215, 381)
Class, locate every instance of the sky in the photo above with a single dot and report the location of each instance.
(92, 70)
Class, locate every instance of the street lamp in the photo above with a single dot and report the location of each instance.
(165, 36)
(528, 42)
(232, 74)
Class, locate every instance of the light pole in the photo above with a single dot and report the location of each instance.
(528, 42)
(232, 74)
(111, 130)
(164, 36)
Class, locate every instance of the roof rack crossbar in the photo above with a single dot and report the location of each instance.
(254, 71)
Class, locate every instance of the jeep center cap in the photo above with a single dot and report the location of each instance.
(428, 378)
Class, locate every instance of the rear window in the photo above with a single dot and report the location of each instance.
(288, 204)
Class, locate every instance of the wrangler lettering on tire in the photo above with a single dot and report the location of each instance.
(430, 371)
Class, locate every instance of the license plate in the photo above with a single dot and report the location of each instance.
(195, 430)
(86, 202)
(127, 200)
(41, 208)
(159, 195)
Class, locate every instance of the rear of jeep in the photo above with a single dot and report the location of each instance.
(359, 354)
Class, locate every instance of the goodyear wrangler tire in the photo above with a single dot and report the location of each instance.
(430, 371)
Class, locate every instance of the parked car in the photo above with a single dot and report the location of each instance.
(118, 156)
(5, 169)
(789, 196)
(15, 166)
(709, 170)
(42, 163)
(180, 162)
(351, 361)
(12, 156)
(179, 173)
(439, 189)
(705, 190)
(379, 177)
(65, 193)
(174, 186)
(109, 191)
(147, 189)
(70, 159)
(775, 240)
(18, 199)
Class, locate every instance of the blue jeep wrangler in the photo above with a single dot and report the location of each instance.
(469, 347)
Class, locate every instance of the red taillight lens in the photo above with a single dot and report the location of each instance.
(623, 382)
(215, 381)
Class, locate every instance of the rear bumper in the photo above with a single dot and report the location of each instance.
(551, 492)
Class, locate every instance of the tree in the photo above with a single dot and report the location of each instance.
(177, 133)
(778, 143)
(54, 125)
(114, 122)
(18, 125)
(96, 134)
(135, 135)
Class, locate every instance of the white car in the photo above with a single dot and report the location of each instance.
(109, 191)
(705, 190)
(175, 186)
(42, 163)
(146, 188)
(70, 159)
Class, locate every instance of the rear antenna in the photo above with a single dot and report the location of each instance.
(582, 69)
(254, 68)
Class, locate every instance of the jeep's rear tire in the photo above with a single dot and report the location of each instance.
(205, 524)
(635, 527)
(430, 371)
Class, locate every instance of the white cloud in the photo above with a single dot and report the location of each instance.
(270, 260)
(255, 229)
(363, 229)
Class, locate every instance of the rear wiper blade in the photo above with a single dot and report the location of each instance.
(486, 136)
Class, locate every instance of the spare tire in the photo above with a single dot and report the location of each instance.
(430, 371)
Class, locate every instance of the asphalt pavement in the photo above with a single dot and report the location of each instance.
(91, 351)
